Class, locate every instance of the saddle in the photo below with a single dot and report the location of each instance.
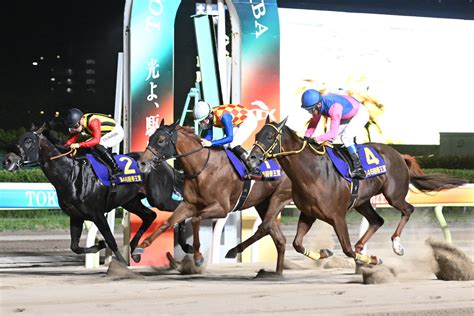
(131, 172)
(370, 160)
(270, 169)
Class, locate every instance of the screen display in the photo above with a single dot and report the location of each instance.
(414, 74)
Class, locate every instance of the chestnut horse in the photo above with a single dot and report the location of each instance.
(212, 189)
(320, 192)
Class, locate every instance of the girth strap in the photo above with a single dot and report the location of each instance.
(111, 193)
(354, 192)
(248, 184)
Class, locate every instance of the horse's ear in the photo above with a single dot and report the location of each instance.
(282, 123)
(162, 123)
(267, 121)
(173, 126)
(41, 129)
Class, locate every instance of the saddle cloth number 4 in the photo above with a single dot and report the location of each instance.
(370, 157)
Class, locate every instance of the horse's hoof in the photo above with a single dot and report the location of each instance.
(397, 246)
(367, 260)
(136, 258)
(199, 262)
(325, 253)
(376, 261)
(172, 260)
(231, 254)
(137, 254)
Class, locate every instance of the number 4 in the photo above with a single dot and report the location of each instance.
(370, 157)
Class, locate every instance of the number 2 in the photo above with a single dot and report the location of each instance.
(128, 163)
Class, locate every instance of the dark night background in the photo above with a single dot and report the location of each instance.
(87, 36)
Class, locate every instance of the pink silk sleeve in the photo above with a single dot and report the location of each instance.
(335, 113)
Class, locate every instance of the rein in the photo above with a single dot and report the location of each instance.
(269, 152)
(196, 174)
(161, 158)
(72, 152)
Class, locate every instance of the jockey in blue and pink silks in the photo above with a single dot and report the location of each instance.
(348, 117)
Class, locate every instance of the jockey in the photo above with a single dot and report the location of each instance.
(237, 122)
(348, 116)
(104, 131)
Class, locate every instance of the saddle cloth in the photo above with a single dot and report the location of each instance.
(131, 173)
(270, 169)
(370, 160)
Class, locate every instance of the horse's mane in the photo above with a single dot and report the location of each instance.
(189, 131)
(293, 133)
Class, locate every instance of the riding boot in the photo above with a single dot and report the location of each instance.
(107, 157)
(253, 173)
(358, 172)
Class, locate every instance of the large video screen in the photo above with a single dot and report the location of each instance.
(414, 74)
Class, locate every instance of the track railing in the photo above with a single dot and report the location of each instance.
(28, 196)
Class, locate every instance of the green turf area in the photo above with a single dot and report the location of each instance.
(38, 220)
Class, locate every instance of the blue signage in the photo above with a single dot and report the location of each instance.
(28, 196)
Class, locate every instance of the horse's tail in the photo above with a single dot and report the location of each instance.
(430, 182)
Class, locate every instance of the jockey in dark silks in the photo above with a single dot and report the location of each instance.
(237, 122)
(348, 117)
(104, 131)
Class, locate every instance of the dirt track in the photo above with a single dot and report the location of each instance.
(70, 289)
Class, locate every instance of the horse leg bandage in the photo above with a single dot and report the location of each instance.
(312, 254)
(363, 258)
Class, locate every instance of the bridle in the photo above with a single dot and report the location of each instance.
(159, 158)
(25, 153)
(269, 153)
(30, 163)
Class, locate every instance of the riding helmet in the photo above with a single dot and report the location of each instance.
(310, 98)
(73, 116)
(201, 111)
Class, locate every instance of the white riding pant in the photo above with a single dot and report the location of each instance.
(245, 130)
(353, 127)
(112, 138)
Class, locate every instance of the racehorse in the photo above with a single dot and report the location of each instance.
(83, 197)
(320, 192)
(212, 189)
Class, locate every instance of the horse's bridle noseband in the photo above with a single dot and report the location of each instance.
(159, 158)
(267, 154)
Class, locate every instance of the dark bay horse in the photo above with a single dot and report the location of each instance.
(320, 192)
(212, 189)
(83, 197)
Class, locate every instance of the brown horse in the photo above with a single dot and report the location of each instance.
(212, 189)
(320, 192)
